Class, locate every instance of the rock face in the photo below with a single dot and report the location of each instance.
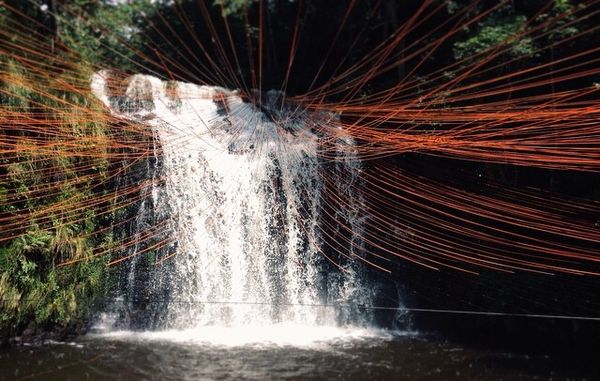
(244, 201)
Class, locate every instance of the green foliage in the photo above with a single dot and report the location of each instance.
(496, 32)
(563, 27)
(17, 90)
(504, 30)
(104, 33)
(35, 290)
(233, 7)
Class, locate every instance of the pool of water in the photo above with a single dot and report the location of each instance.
(277, 353)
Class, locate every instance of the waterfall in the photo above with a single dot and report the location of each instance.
(250, 207)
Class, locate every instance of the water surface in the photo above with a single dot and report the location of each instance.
(284, 352)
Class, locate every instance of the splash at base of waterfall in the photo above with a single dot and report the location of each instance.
(285, 334)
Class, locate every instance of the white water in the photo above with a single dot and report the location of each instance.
(281, 335)
(244, 200)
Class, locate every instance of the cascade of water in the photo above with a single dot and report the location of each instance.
(244, 193)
